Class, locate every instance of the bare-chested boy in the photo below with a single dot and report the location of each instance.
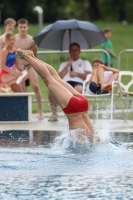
(26, 42)
(9, 25)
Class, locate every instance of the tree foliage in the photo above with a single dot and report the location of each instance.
(108, 10)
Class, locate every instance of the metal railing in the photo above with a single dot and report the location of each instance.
(127, 60)
(42, 54)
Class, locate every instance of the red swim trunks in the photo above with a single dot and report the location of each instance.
(5, 72)
(1, 73)
(76, 104)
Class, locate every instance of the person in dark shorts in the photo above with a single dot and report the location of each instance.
(27, 82)
(25, 41)
(74, 84)
(96, 81)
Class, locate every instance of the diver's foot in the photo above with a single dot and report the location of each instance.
(53, 118)
(23, 54)
(20, 54)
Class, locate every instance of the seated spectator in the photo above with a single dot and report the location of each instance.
(11, 72)
(74, 72)
(100, 81)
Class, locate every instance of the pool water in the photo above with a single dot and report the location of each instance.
(48, 165)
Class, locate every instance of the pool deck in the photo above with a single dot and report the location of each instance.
(62, 124)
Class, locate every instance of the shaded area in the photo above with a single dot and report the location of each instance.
(124, 139)
(26, 138)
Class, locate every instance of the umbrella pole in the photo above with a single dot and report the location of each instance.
(69, 36)
(70, 43)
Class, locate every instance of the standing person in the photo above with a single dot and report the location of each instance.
(73, 103)
(108, 47)
(11, 72)
(26, 42)
(9, 25)
(74, 72)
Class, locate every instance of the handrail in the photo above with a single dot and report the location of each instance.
(119, 56)
(82, 51)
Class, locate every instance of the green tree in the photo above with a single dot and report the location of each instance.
(94, 10)
(107, 10)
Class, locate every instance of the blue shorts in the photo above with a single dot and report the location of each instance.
(74, 83)
(96, 88)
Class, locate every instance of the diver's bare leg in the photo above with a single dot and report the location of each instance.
(54, 74)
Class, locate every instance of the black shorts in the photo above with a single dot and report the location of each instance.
(73, 83)
(27, 82)
(96, 88)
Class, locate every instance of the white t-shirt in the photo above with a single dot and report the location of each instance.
(79, 66)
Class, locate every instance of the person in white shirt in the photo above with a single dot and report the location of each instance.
(74, 72)
(100, 81)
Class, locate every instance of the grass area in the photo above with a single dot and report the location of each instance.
(121, 39)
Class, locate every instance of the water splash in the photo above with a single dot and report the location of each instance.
(77, 139)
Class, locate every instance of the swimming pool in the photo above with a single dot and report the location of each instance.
(46, 165)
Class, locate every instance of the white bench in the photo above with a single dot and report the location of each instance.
(16, 107)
